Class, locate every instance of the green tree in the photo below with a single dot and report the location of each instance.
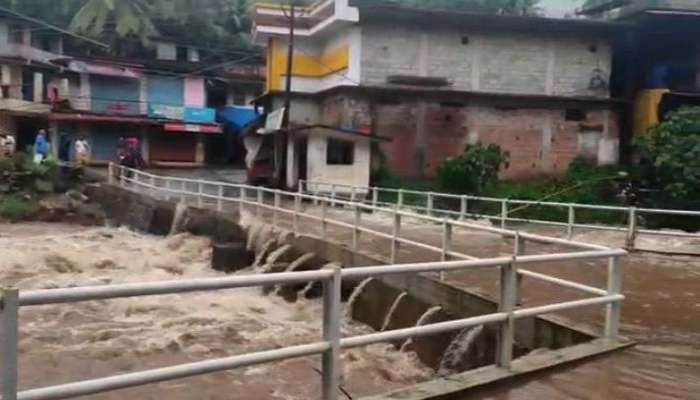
(115, 19)
(671, 158)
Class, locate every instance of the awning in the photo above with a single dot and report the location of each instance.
(194, 128)
(77, 117)
(236, 118)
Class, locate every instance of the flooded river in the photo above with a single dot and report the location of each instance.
(65, 343)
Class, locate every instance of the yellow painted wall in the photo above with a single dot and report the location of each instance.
(304, 64)
(646, 110)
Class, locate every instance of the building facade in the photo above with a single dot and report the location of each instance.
(436, 81)
(169, 101)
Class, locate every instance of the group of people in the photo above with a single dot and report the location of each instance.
(42, 147)
(128, 150)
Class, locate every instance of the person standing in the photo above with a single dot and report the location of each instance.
(82, 151)
(41, 147)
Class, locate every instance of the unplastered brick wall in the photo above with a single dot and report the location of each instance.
(541, 141)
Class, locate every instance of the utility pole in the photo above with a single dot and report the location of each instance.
(285, 134)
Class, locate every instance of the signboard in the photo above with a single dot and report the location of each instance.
(196, 115)
(273, 123)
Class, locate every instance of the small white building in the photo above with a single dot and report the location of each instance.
(321, 153)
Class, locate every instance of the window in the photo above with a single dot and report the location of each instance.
(181, 53)
(16, 34)
(575, 114)
(340, 152)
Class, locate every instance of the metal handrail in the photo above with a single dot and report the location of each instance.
(632, 213)
(13, 300)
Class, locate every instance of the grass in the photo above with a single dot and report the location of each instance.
(15, 209)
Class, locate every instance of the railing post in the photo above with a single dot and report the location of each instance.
(295, 218)
(375, 198)
(200, 190)
(183, 185)
(463, 208)
(632, 229)
(324, 224)
(168, 189)
(333, 194)
(258, 205)
(506, 331)
(570, 223)
(356, 226)
(429, 205)
(612, 310)
(8, 362)
(446, 243)
(394, 236)
(154, 190)
(504, 213)
(331, 334)
(220, 198)
(399, 199)
(241, 199)
(275, 210)
(518, 250)
(110, 173)
(353, 194)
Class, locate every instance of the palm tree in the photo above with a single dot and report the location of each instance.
(112, 19)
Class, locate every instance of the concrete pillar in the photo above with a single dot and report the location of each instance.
(53, 138)
(27, 36)
(143, 95)
(199, 155)
(38, 87)
(420, 143)
(145, 144)
(84, 102)
(292, 165)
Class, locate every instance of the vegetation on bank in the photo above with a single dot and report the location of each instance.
(666, 175)
(22, 183)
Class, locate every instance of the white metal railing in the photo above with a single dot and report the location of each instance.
(372, 195)
(332, 342)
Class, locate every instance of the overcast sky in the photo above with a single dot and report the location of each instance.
(558, 8)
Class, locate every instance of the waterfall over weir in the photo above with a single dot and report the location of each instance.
(293, 266)
(178, 217)
(458, 349)
(355, 294)
(392, 310)
(421, 321)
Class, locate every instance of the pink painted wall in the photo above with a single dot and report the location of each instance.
(194, 92)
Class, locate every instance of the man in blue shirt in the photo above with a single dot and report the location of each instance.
(41, 147)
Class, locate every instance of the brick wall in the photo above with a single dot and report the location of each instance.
(540, 141)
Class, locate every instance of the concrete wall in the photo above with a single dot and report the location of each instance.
(318, 170)
(495, 62)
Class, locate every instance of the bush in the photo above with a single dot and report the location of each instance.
(16, 209)
(473, 170)
(670, 158)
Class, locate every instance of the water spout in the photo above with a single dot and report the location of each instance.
(178, 217)
(263, 252)
(458, 349)
(355, 295)
(274, 256)
(392, 310)
(427, 315)
(296, 264)
(303, 292)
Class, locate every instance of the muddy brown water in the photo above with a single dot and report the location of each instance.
(661, 312)
(67, 343)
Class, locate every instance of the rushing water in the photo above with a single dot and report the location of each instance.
(61, 343)
(458, 349)
(420, 322)
(392, 310)
(355, 295)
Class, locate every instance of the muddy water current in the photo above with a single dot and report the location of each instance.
(65, 343)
